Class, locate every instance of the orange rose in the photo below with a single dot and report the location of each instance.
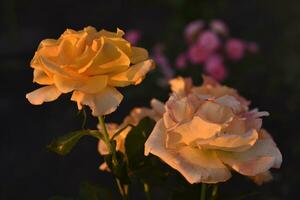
(90, 64)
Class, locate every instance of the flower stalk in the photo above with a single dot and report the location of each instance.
(203, 191)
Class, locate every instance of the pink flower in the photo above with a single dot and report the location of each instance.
(252, 47)
(198, 54)
(219, 26)
(162, 61)
(192, 30)
(214, 67)
(209, 40)
(181, 61)
(235, 49)
(133, 36)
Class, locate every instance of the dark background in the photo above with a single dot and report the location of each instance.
(270, 80)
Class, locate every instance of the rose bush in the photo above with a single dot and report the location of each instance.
(90, 64)
(207, 131)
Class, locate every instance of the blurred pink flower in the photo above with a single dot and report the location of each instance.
(252, 47)
(133, 36)
(192, 30)
(198, 54)
(181, 61)
(219, 26)
(162, 61)
(215, 67)
(209, 40)
(235, 49)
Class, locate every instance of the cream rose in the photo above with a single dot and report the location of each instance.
(90, 64)
(207, 131)
(135, 116)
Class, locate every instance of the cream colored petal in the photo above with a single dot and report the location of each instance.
(180, 109)
(230, 142)
(195, 129)
(181, 86)
(158, 106)
(102, 103)
(43, 94)
(138, 55)
(258, 159)
(230, 102)
(134, 75)
(215, 112)
(262, 178)
(40, 77)
(195, 165)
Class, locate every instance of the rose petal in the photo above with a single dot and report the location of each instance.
(195, 165)
(158, 106)
(195, 129)
(138, 55)
(133, 75)
(181, 86)
(230, 142)
(102, 103)
(215, 112)
(43, 94)
(40, 77)
(258, 159)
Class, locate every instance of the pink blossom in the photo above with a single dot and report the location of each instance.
(209, 40)
(162, 61)
(192, 30)
(198, 54)
(252, 47)
(181, 61)
(133, 36)
(219, 26)
(235, 49)
(215, 68)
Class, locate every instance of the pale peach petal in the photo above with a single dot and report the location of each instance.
(215, 112)
(138, 55)
(158, 106)
(180, 109)
(43, 94)
(195, 129)
(258, 159)
(230, 142)
(40, 77)
(134, 75)
(102, 103)
(230, 102)
(181, 86)
(195, 165)
(262, 178)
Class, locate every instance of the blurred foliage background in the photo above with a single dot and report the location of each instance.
(270, 80)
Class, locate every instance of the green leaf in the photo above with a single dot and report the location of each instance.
(135, 141)
(64, 144)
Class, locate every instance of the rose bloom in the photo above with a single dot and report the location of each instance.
(235, 49)
(208, 131)
(214, 67)
(133, 36)
(135, 116)
(219, 27)
(90, 64)
(192, 30)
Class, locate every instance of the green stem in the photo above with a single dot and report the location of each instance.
(147, 191)
(214, 192)
(111, 149)
(203, 191)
